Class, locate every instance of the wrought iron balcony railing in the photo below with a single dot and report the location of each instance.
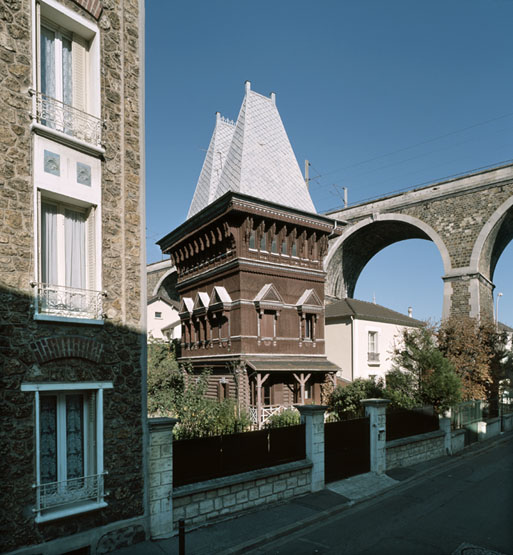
(69, 302)
(55, 495)
(56, 115)
(373, 357)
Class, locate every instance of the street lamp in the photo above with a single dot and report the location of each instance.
(499, 295)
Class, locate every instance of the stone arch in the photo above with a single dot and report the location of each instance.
(349, 254)
(492, 240)
(67, 346)
(168, 281)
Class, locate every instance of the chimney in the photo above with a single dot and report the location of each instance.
(273, 98)
(410, 312)
(247, 86)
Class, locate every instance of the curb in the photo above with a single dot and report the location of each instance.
(442, 464)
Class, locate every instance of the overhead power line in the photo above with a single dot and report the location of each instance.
(427, 141)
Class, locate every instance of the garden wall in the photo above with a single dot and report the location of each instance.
(207, 501)
(414, 449)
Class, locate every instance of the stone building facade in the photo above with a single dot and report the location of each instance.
(72, 270)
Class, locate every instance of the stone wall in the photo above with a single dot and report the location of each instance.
(507, 422)
(219, 498)
(468, 218)
(110, 352)
(414, 449)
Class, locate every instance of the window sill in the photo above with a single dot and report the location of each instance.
(68, 319)
(67, 140)
(54, 514)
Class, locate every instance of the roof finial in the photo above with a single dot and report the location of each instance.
(247, 85)
(273, 97)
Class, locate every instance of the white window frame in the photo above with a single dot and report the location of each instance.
(86, 34)
(60, 389)
(92, 254)
(54, 15)
(373, 355)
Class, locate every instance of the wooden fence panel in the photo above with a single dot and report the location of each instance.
(199, 459)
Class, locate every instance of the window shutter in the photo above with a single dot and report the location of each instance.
(38, 47)
(79, 72)
(91, 249)
(39, 231)
(91, 433)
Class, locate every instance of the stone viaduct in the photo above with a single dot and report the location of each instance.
(469, 218)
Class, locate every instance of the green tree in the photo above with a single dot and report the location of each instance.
(165, 379)
(176, 391)
(421, 374)
(345, 401)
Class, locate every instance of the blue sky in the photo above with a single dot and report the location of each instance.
(379, 96)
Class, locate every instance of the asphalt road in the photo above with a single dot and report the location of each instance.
(464, 510)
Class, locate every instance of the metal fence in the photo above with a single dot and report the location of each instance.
(199, 459)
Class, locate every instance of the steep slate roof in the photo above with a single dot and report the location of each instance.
(259, 161)
(363, 310)
(213, 165)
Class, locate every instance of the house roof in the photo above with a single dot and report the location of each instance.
(363, 310)
(505, 327)
(306, 364)
(169, 302)
(208, 180)
(259, 160)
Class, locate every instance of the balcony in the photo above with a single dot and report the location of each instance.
(71, 496)
(373, 358)
(60, 117)
(68, 302)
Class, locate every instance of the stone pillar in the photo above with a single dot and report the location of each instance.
(313, 418)
(161, 476)
(445, 426)
(376, 410)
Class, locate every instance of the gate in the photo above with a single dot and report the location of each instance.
(346, 449)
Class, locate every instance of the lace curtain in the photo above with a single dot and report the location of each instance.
(49, 271)
(48, 439)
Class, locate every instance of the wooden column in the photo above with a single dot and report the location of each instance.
(259, 382)
(302, 381)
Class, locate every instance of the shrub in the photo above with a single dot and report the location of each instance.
(288, 417)
(345, 401)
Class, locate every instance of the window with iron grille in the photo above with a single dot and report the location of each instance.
(69, 448)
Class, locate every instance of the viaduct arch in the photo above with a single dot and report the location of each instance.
(469, 219)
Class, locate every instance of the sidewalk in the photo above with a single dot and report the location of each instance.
(256, 528)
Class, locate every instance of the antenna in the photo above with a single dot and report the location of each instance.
(307, 175)
(345, 196)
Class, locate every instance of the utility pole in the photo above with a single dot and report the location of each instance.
(307, 174)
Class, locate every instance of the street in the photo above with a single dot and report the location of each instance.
(460, 509)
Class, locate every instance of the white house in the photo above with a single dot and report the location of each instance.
(360, 337)
(163, 320)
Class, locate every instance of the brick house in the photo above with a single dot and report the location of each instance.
(249, 263)
(72, 310)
